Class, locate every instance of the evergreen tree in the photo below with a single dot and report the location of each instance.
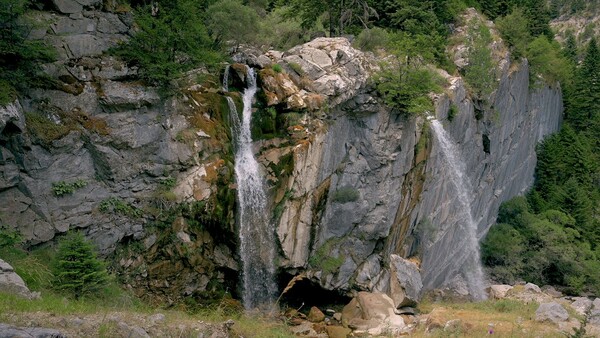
(77, 270)
(584, 103)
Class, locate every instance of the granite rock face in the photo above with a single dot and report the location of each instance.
(355, 187)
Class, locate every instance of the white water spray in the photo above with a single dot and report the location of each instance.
(226, 80)
(471, 261)
(257, 239)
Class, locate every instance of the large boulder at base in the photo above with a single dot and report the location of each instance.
(373, 314)
(552, 312)
(594, 317)
(9, 331)
(405, 282)
(499, 291)
(581, 305)
(12, 283)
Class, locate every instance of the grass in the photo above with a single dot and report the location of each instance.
(506, 317)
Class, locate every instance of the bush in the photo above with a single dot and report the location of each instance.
(345, 195)
(64, 188)
(277, 68)
(480, 73)
(372, 39)
(77, 270)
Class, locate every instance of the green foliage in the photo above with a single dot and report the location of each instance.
(61, 188)
(230, 20)
(277, 68)
(77, 270)
(346, 195)
(169, 43)
(515, 31)
(119, 206)
(372, 39)
(296, 68)
(544, 248)
(452, 112)
(324, 258)
(480, 73)
(547, 60)
(20, 58)
(9, 238)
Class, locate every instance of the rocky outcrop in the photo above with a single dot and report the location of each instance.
(356, 188)
(11, 283)
(9, 331)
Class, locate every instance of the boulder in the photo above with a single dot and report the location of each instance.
(12, 283)
(594, 317)
(533, 288)
(499, 291)
(337, 331)
(315, 315)
(9, 331)
(81, 45)
(372, 313)
(552, 312)
(405, 282)
(67, 6)
(581, 305)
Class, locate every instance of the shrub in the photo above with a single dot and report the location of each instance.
(296, 68)
(64, 188)
(480, 73)
(118, 206)
(277, 68)
(345, 195)
(372, 39)
(77, 270)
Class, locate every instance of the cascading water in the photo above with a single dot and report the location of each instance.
(257, 239)
(226, 79)
(470, 258)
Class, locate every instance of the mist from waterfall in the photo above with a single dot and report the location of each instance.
(257, 238)
(468, 256)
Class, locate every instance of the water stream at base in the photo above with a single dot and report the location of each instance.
(471, 266)
(257, 239)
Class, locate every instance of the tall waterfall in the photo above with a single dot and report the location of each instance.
(257, 239)
(467, 255)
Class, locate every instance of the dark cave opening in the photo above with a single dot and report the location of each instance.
(305, 294)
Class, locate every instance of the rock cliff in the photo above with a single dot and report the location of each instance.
(354, 185)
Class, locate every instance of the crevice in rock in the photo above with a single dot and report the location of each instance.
(305, 293)
(486, 143)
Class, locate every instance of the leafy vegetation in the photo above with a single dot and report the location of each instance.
(61, 188)
(119, 206)
(346, 195)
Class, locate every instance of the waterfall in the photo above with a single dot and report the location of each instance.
(226, 80)
(257, 238)
(467, 255)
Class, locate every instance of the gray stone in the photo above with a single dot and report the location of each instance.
(552, 312)
(594, 317)
(499, 291)
(123, 96)
(405, 283)
(68, 6)
(12, 283)
(533, 288)
(111, 24)
(12, 114)
(65, 25)
(9, 331)
(581, 305)
(85, 45)
(90, 3)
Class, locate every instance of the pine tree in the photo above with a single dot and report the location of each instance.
(77, 268)
(584, 104)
